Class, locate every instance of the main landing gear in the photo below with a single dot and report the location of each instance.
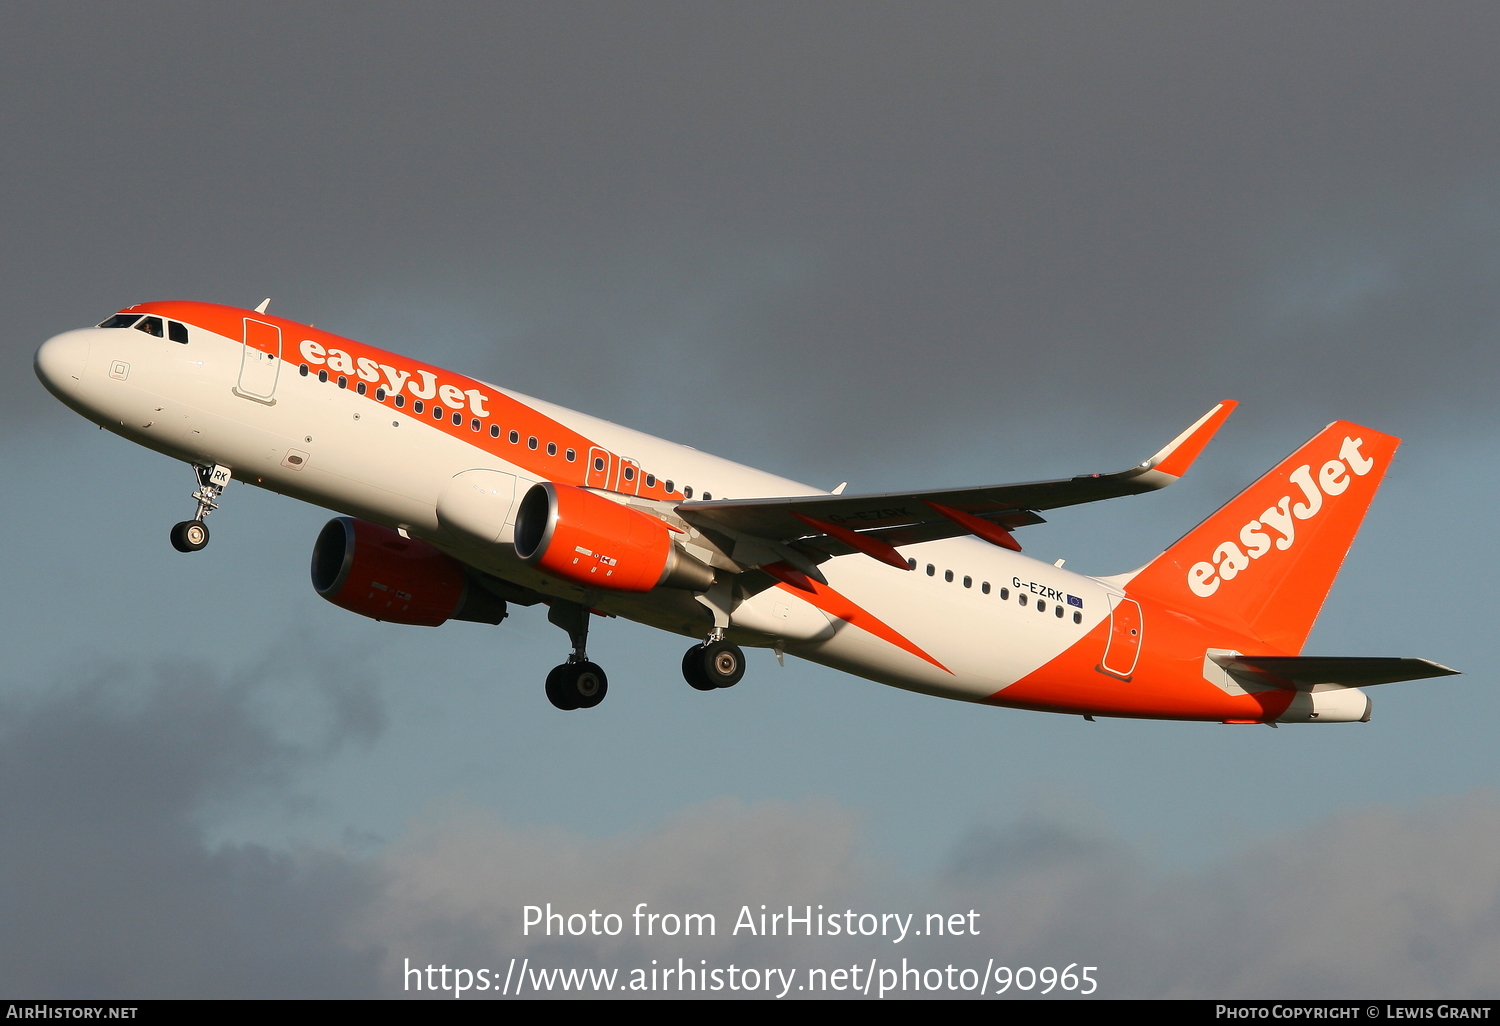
(714, 664)
(577, 683)
(192, 535)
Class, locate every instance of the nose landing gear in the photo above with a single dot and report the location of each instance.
(192, 535)
(577, 683)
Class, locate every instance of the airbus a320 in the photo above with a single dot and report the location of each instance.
(460, 498)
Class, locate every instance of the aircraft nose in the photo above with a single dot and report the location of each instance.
(60, 361)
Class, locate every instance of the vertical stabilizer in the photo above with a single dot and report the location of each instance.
(1267, 559)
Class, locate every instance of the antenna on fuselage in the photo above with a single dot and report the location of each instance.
(263, 304)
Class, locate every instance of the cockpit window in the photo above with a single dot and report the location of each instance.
(177, 332)
(151, 326)
(124, 320)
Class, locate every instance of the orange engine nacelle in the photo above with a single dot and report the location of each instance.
(585, 538)
(373, 571)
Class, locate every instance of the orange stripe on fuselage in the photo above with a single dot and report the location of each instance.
(501, 409)
(1168, 681)
(835, 604)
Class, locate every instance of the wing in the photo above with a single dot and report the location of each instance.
(816, 527)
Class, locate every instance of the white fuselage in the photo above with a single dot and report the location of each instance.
(967, 633)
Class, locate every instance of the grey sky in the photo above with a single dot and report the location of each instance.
(895, 244)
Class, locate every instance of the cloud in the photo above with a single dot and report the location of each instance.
(110, 784)
(1376, 901)
(110, 889)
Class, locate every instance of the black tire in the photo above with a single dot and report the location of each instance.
(590, 684)
(189, 536)
(577, 686)
(723, 663)
(692, 670)
(558, 691)
(718, 664)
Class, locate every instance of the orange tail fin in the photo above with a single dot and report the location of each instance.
(1266, 560)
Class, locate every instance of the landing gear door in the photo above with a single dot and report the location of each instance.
(1123, 648)
(260, 361)
(601, 463)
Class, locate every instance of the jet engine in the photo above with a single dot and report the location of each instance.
(582, 537)
(373, 571)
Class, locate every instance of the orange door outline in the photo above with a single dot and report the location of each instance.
(1123, 649)
(600, 465)
(629, 480)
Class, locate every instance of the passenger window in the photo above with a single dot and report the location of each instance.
(474, 424)
(1041, 607)
(531, 442)
(151, 326)
(1021, 598)
(380, 395)
(687, 491)
(416, 406)
(948, 576)
(650, 480)
(931, 569)
(458, 419)
(361, 388)
(121, 321)
(1004, 594)
(302, 370)
(1058, 610)
(985, 587)
(551, 448)
(968, 582)
(630, 474)
(570, 455)
(437, 412)
(494, 430)
(708, 496)
(343, 381)
(1078, 618)
(322, 375)
(515, 436)
(400, 401)
(177, 332)
(668, 487)
(911, 564)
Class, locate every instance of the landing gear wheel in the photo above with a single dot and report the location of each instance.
(589, 684)
(577, 685)
(189, 536)
(717, 664)
(557, 691)
(692, 670)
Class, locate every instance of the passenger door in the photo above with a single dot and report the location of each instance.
(1123, 648)
(260, 361)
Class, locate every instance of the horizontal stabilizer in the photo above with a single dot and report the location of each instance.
(1304, 672)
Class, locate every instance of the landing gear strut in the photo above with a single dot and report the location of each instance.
(192, 535)
(714, 664)
(577, 683)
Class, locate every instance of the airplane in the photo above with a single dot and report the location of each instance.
(459, 498)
